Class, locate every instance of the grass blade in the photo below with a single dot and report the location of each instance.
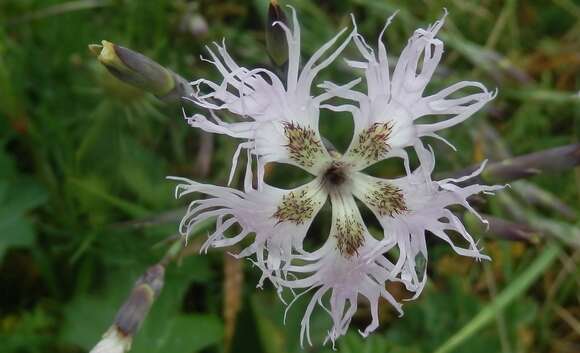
(514, 290)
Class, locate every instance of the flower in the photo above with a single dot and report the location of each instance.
(395, 102)
(271, 112)
(279, 122)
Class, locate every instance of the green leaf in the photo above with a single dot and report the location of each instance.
(94, 188)
(278, 336)
(29, 333)
(166, 329)
(19, 197)
(16, 198)
(15, 231)
(6, 165)
(143, 174)
(178, 333)
(355, 343)
(99, 308)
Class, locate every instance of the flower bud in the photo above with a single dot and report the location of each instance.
(131, 315)
(113, 342)
(198, 26)
(276, 44)
(139, 71)
(134, 310)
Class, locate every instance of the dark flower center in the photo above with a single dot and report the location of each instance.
(335, 175)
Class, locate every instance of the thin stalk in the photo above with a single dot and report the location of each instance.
(509, 294)
(553, 160)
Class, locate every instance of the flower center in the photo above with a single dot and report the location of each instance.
(335, 174)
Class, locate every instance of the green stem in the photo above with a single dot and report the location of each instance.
(514, 290)
(130, 208)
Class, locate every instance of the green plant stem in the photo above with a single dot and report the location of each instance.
(552, 160)
(514, 290)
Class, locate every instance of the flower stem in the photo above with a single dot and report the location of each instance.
(502, 229)
(552, 160)
(514, 290)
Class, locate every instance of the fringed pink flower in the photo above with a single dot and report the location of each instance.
(279, 123)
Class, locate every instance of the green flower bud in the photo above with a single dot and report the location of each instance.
(139, 71)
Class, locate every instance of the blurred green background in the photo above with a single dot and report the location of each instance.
(85, 208)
